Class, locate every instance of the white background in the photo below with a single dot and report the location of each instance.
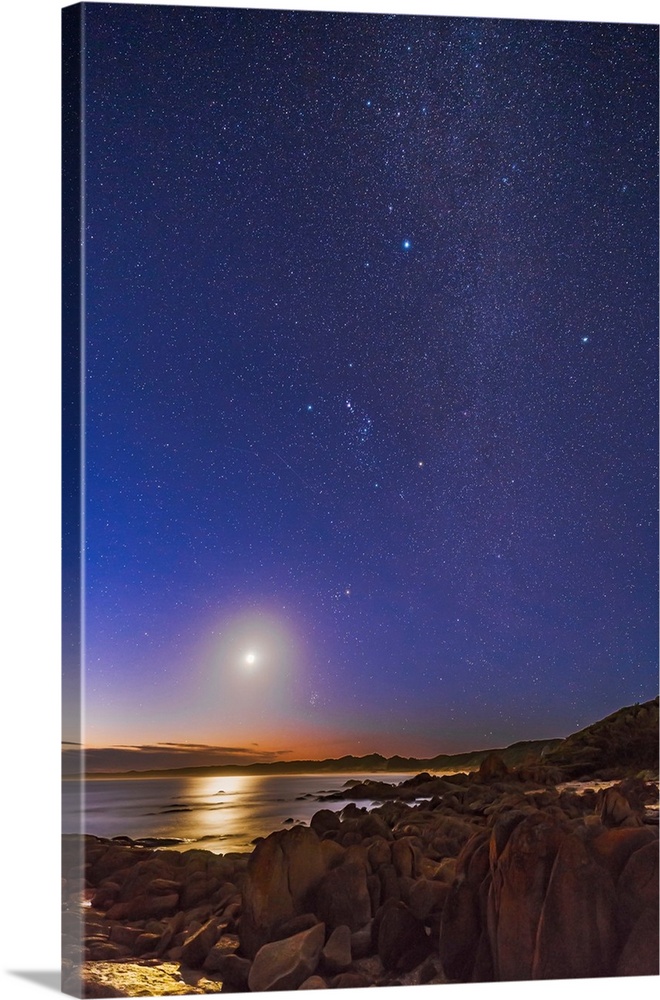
(29, 496)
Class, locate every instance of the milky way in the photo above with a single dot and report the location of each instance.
(371, 346)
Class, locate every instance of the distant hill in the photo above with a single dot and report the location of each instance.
(517, 753)
(624, 742)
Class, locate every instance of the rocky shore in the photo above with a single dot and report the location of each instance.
(495, 875)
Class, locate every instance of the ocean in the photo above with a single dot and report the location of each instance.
(219, 814)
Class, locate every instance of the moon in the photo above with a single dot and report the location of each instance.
(250, 659)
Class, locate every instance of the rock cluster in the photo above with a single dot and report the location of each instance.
(494, 877)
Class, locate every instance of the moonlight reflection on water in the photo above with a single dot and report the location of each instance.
(219, 813)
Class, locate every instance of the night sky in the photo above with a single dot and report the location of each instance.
(371, 354)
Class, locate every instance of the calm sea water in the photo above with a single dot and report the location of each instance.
(218, 814)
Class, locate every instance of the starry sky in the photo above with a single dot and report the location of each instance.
(371, 358)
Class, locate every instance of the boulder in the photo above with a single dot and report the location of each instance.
(314, 983)
(349, 981)
(146, 943)
(617, 811)
(234, 972)
(577, 935)
(613, 847)
(294, 926)
(198, 888)
(520, 879)
(342, 897)
(142, 907)
(379, 853)
(196, 946)
(362, 940)
(336, 955)
(286, 964)
(460, 931)
(402, 939)
(637, 886)
(403, 856)
(224, 946)
(639, 956)
(492, 768)
(281, 872)
(427, 897)
(323, 821)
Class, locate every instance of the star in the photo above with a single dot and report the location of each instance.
(406, 245)
(585, 340)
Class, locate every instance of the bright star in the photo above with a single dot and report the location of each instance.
(406, 244)
(585, 340)
(310, 407)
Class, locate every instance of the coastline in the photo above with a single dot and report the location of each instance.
(403, 892)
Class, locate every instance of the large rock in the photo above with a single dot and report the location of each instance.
(492, 768)
(639, 956)
(577, 934)
(342, 897)
(285, 965)
(197, 945)
(612, 848)
(224, 946)
(142, 907)
(427, 897)
(324, 821)
(637, 886)
(460, 931)
(336, 955)
(520, 879)
(402, 939)
(281, 872)
(617, 811)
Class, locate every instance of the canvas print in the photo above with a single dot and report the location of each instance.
(359, 519)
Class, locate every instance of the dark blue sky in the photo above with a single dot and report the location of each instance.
(371, 397)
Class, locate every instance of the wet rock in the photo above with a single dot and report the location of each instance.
(285, 965)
